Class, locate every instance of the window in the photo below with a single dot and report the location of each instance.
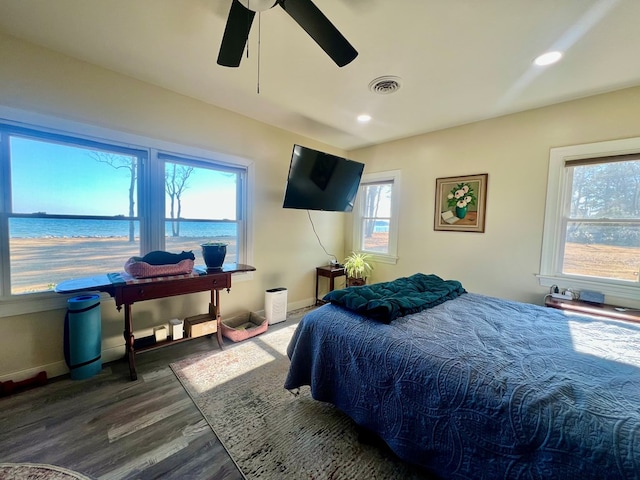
(592, 221)
(201, 204)
(376, 220)
(73, 206)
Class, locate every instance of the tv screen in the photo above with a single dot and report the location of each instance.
(320, 181)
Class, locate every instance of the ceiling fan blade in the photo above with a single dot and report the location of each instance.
(235, 35)
(313, 21)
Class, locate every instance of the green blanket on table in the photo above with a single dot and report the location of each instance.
(387, 301)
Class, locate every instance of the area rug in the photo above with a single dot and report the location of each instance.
(37, 471)
(271, 433)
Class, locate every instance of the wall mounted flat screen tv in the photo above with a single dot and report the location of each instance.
(320, 181)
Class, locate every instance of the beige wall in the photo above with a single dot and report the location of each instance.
(514, 151)
(286, 250)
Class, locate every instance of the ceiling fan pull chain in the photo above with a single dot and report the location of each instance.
(303, 12)
(259, 30)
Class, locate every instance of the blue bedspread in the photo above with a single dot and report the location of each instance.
(482, 388)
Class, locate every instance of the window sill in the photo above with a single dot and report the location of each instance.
(33, 303)
(629, 291)
(382, 258)
(602, 311)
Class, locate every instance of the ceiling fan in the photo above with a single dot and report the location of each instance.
(304, 12)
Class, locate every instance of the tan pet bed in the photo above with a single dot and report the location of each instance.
(244, 326)
(139, 269)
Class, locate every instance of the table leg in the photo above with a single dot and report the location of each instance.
(215, 298)
(129, 339)
(317, 301)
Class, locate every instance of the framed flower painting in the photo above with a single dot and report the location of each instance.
(461, 203)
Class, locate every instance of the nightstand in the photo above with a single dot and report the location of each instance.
(330, 272)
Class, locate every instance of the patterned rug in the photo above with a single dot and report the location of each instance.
(37, 471)
(271, 433)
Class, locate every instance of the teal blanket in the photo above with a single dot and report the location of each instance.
(387, 301)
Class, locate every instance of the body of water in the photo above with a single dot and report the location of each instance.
(72, 228)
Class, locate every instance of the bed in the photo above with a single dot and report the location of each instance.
(481, 388)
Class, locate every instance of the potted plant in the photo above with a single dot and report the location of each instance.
(213, 254)
(357, 268)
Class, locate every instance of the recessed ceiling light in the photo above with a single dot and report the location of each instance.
(548, 58)
(364, 118)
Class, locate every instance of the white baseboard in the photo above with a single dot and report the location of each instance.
(56, 369)
(308, 302)
(113, 353)
(52, 369)
(110, 354)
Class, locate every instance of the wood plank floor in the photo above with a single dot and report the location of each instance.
(109, 427)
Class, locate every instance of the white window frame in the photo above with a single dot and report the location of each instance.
(394, 177)
(553, 234)
(38, 302)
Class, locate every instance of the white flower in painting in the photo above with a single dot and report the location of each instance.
(461, 196)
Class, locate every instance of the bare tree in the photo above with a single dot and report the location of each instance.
(372, 201)
(375, 195)
(122, 162)
(175, 181)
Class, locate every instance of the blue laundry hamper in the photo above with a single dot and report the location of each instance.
(83, 336)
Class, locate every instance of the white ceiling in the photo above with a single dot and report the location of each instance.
(459, 60)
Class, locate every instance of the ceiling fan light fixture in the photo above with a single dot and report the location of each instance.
(385, 85)
(258, 5)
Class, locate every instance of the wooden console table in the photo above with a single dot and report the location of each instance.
(127, 293)
(331, 273)
(604, 310)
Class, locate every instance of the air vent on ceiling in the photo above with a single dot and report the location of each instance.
(385, 85)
